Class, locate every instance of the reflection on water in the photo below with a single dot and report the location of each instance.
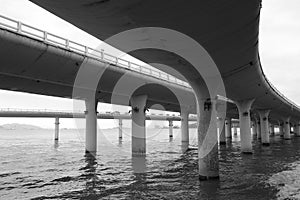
(184, 146)
(32, 169)
(139, 164)
(56, 144)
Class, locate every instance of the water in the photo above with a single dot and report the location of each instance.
(33, 166)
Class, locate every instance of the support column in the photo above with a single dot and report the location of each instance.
(297, 131)
(207, 140)
(222, 136)
(272, 130)
(254, 128)
(264, 126)
(56, 128)
(258, 129)
(245, 125)
(91, 126)
(281, 129)
(120, 128)
(184, 126)
(235, 130)
(287, 129)
(138, 143)
(170, 128)
(228, 128)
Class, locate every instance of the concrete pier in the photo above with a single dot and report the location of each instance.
(138, 143)
(222, 136)
(184, 126)
(56, 137)
(281, 129)
(208, 140)
(297, 131)
(120, 128)
(264, 126)
(235, 131)
(287, 129)
(258, 129)
(245, 125)
(91, 126)
(170, 128)
(254, 128)
(272, 130)
(228, 132)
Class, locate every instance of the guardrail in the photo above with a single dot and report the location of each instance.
(281, 95)
(53, 39)
(294, 105)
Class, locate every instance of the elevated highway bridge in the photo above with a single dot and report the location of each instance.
(227, 33)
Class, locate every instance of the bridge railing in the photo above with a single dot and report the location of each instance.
(40, 110)
(294, 105)
(24, 29)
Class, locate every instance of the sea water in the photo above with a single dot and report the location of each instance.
(34, 166)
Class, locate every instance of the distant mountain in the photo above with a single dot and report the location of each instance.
(16, 126)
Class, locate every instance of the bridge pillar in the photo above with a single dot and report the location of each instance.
(281, 129)
(91, 126)
(138, 136)
(235, 130)
(185, 126)
(222, 136)
(254, 128)
(272, 130)
(56, 128)
(258, 129)
(170, 128)
(207, 140)
(245, 125)
(287, 129)
(297, 131)
(264, 127)
(120, 128)
(228, 132)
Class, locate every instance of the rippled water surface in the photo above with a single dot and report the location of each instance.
(33, 166)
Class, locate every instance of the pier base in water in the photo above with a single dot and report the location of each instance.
(222, 135)
(138, 117)
(56, 137)
(287, 129)
(184, 126)
(264, 126)
(228, 132)
(91, 126)
(170, 128)
(245, 125)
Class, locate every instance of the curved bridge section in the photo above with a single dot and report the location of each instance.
(228, 30)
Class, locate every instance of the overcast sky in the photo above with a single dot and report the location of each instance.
(279, 44)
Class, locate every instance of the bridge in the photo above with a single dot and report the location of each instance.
(226, 63)
(57, 114)
(45, 50)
